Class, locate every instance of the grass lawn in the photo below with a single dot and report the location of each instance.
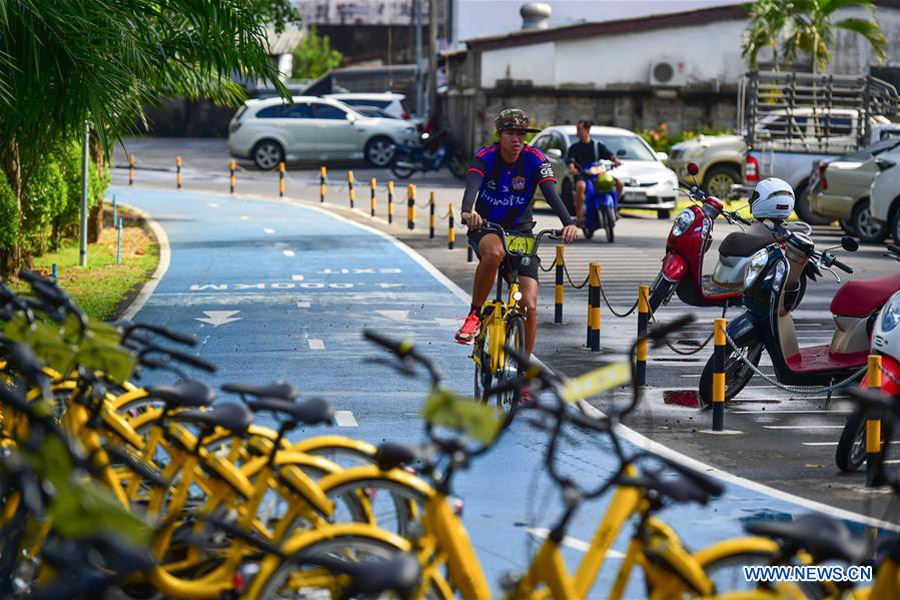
(101, 288)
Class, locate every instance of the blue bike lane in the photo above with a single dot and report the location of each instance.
(280, 291)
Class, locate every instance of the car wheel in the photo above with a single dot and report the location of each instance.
(801, 207)
(380, 151)
(267, 154)
(847, 227)
(868, 230)
(719, 179)
(663, 213)
(895, 225)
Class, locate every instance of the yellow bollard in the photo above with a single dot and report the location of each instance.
(718, 391)
(373, 201)
(594, 308)
(131, 169)
(451, 231)
(390, 202)
(322, 184)
(232, 167)
(432, 219)
(560, 265)
(281, 180)
(873, 424)
(350, 190)
(178, 171)
(643, 323)
(411, 206)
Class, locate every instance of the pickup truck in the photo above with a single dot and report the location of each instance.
(791, 121)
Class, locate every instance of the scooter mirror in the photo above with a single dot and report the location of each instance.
(849, 244)
(693, 169)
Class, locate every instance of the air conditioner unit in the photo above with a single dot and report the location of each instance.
(668, 72)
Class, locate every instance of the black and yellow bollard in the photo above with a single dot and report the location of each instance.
(718, 388)
(231, 168)
(873, 424)
(594, 314)
(281, 180)
(451, 231)
(560, 265)
(643, 323)
(390, 202)
(350, 191)
(322, 184)
(372, 203)
(432, 218)
(178, 172)
(131, 169)
(411, 206)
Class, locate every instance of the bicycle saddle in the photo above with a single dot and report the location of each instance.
(310, 412)
(372, 578)
(236, 418)
(744, 244)
(281, 390)
(190, 393)
(678, 488)
(391, 455)
(823, 537)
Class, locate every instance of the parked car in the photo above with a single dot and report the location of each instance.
(884, 194)
(391, 103)
(271, 131)
(839, 189)
(718, 158)
(648, 182)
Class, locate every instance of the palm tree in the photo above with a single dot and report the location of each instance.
(65, 63)
(767, 19)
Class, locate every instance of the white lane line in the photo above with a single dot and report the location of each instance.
(212, 204)
(269, 231)
(315, 344)
(165, 257)
(803, 426)
(570, 542)
(345, 418)
(244, 218)
(892, 462)
(820, 443)
(302, 304)
(296, 277)
(288, 252)
(631, 435)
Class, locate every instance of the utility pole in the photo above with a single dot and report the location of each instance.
(417, 9)
(85, 165)
(432, 57)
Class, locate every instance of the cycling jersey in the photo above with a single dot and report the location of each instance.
(507, 191)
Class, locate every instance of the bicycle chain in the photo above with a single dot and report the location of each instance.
(803, 391)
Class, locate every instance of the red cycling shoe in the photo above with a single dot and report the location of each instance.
(469, 329)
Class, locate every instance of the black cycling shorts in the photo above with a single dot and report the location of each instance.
(531, 271)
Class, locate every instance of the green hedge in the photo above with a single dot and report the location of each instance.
(51, 202)
(662, 141)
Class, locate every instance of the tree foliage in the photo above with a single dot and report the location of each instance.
(314, 56)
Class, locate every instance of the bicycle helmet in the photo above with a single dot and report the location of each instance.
(773, 198)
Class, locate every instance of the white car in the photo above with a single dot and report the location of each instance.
(884, 193)
(648, 182)
(389, 102)
(271, 131)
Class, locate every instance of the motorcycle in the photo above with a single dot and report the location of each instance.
(768, 325)
(851, 448)
(600, 200)
(411, 158)
(689, 240)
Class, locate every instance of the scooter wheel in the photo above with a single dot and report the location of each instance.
(737, 373)
(609, 218)
(851, 449)
(588, 233)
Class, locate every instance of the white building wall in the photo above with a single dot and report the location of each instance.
(536, 62)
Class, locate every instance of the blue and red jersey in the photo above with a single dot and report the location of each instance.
(507, 191)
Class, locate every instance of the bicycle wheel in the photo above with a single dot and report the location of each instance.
(727, 574)
(483, 378)
(515, 339)
(389, 505)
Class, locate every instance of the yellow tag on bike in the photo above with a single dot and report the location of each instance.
(596, 381)
(73, 332)
(520, 243)
(102, 355)
(466, 415)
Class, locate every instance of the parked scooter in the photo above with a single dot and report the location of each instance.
(600, 200)
(691, 237)
(411, 158)
(767, 325)
(851, 449)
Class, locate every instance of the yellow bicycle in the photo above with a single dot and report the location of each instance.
(503, 322)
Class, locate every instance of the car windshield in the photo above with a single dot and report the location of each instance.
(627, 147)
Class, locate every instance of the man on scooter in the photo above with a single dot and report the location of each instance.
(504, 177)
(579, 157)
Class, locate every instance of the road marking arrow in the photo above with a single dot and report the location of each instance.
(218, 317)
(394, 315)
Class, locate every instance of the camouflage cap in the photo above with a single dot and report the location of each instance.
(513, 118)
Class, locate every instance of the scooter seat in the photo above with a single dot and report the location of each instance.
(743, 244)
(862, 297)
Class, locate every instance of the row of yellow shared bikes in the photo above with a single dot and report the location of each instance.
(163, 491)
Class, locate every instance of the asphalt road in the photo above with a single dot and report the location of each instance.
(276, 290)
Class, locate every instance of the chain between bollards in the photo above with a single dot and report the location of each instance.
(873, 424)
(322, 187)
(718, 382)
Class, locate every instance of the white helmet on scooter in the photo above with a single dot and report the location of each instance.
(773, 198)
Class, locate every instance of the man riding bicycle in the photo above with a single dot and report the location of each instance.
(579, 157)
(504, 177)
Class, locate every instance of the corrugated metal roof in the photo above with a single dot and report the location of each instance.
(284, 42)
